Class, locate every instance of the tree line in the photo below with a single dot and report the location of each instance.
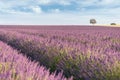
(93, 21)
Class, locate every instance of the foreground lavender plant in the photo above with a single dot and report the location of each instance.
(14, 66)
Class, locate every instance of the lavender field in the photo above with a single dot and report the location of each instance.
(59, 53)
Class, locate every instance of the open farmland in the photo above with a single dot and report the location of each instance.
(81, 52)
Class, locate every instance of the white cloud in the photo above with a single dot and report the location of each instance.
(36, 9)
(64, 2)
(44, 1)
(107, 1)
(81, 4)
(98, 3)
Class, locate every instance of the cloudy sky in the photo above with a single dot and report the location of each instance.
(60, 12)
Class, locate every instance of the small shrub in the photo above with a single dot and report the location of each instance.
(113, 24)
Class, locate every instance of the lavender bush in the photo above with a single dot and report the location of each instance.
(15, 66)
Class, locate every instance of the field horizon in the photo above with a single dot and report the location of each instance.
(90, 25)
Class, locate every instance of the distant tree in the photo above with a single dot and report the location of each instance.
(113, 24)
(93, 21)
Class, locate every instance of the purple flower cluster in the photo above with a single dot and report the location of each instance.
(15, 66)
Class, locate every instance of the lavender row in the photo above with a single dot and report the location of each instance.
(15, 66)
(85, 38)
(91, 63)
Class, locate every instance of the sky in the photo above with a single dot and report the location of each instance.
(58, 12)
